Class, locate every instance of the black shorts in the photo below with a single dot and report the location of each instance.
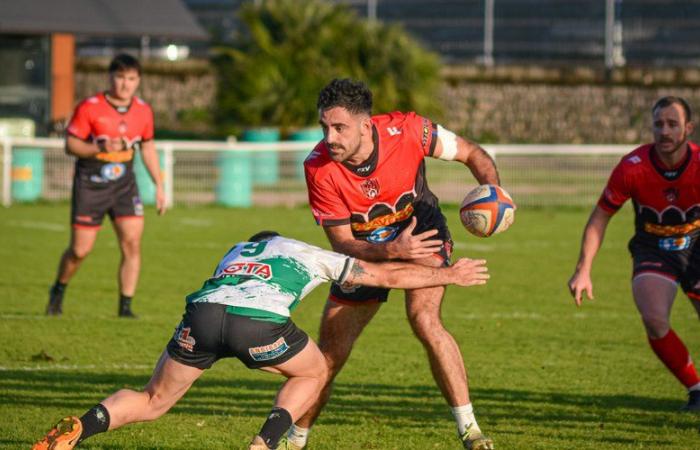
(681, 266)
(91, 201)
(208, 333)
(364, 294)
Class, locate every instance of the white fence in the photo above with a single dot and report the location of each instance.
(195, 172)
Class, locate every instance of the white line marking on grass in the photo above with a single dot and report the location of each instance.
(48, 226)
(77, 367)
(195, 222)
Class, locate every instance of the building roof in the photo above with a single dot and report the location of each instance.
(124, 18)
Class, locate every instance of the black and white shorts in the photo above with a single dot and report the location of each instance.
(208, 333)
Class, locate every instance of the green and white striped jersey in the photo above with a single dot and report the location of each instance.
(266, 280)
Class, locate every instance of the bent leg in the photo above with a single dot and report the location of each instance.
(341, 325)
(169, 382)
(654, 296)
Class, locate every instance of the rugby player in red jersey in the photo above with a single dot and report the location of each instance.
(662, 179)
(367, 189)
(104, 132)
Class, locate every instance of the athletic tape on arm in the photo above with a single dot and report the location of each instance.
(449, 143)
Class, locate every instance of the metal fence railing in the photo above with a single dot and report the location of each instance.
(229, 173)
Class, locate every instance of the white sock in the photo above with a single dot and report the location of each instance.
(695, 387)
(464, 416)
(298, 435)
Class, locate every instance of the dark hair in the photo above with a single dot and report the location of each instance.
(665, 102)
(263, 236)
(354, 96)
(123, 62)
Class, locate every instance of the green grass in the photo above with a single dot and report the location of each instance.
(544, 375)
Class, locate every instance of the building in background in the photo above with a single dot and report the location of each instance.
(38, 47)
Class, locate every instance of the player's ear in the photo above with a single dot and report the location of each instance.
(366, 125)
(689, 128)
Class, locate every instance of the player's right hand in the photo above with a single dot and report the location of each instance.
(111, 145)
(470, 272)
(410, 246)
(578, 284)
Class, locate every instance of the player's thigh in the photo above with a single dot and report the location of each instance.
(170, 380)
(307, 363)
(129, 231)
(127, 211)
(341, 325)
(83, 240)
(424, 303)
(654, 294)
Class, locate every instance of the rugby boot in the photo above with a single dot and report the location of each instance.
(125, 308)
(64, 436)
(473, 439)
(693, 404)
(285, 444)
(55, 306)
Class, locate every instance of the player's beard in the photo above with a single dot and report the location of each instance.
(676, 144)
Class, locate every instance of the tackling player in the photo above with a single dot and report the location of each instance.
(368, 190)
(104, 132)
(243, 311)
(662, 179)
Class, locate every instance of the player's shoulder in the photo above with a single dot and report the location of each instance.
(637, 157)
(140, 103)
(395, 118)
(91, 102)
(318, 159)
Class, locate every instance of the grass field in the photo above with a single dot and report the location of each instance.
(544, 375)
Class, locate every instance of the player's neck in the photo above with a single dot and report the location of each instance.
(117, 101)
(673, 159)
(363, 154)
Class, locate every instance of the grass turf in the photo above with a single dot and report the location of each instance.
(544, 374)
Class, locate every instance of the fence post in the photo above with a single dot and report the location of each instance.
(169, 166)
(6, 171)
(488, 33)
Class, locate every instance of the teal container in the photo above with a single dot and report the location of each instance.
(313, 135)
(147, 188)
(27, 174)
(234, 187)
(266, 163)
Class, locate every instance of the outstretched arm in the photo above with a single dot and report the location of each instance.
(149, 155)
(452, 147)
(404, 275)
(593, 236)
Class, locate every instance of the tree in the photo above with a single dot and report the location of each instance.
(288, 50)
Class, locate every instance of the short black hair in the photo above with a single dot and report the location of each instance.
(665, 102)
(124, 61)
(352, 95)
(263, 236)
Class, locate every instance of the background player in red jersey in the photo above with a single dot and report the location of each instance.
(367, 188)
(662, 181)
(104, 132)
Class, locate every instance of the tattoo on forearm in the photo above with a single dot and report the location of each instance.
(357, 270)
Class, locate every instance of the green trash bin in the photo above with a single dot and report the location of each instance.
(234, 187)
(265, 163)
(27, 174)
(311, 134)
(27, 163)
(147, 188)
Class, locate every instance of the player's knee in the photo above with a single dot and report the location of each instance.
(131, 247)
(79, 253)
(657, 325)
(425, 325)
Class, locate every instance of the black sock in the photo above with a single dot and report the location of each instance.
(94, 421)
(124, 302)
(59, 287)
(277, 423)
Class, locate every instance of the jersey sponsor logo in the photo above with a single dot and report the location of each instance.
(370, 188)
(393, 131)
(116, 157)
(634, 159)
(384, 220)
(655, 221)
(363, 169)
(122, 127)
(183, 338)
(383, 234)
(252, 269)
(268, 352)
(426, 133)
(675, 244)
(83, 219)
(113, 171)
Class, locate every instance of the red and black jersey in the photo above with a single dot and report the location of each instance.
(666, 201)
(378, 197)
(95, 119)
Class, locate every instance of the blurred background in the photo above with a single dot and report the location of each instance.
(556, 89)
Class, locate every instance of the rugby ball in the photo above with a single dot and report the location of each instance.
(486, 210)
